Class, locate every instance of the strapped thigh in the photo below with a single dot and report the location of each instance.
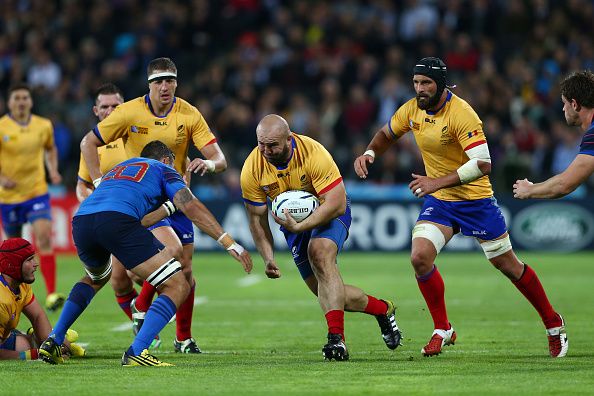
(164, 272)
(98, 274)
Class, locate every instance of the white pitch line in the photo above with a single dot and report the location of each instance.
(200, 300)
(127, 326)
(250, 280)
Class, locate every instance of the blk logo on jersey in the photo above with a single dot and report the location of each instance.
(161, 123)
(481, 232)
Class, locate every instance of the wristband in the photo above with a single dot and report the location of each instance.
(169, 207)
(210, 165)
(96, 182)
(225, 240)
(469, 171)
(370, 153)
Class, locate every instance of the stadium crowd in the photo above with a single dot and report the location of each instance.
(335, 70)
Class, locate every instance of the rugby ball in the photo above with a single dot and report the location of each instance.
(299, 203)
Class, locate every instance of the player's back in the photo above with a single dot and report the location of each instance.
(134, 187)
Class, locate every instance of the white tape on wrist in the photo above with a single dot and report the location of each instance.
(469, 171)
(96, 182)
(210, 165)
(169, 207)
(220, 240)
(370, 153)
(237, 247)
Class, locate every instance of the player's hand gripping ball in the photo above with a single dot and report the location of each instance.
(300, 204)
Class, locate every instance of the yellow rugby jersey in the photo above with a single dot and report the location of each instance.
(443, 137)
(22, 154)
(310, 168)
(109, 156)
(135, 122)
(11, 306)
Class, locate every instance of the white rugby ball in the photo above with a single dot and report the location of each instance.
(299, 203)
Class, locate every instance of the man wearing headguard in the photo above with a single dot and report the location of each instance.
(17, 272)
(457, 197)
(160, 115)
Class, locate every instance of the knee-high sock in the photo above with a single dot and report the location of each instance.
(157, 316)
(124, 302)
(79, 298)
(47, 263)
(375, 306)
(529, 285)
(145, 298)
(184, 317)
(335, 320)
(433, 290)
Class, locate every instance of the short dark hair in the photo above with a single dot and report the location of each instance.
(157, 150)
(18, 86)
(579, 86)
(164, 64)
(108, 89)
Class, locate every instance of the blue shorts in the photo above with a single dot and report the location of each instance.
(182, 226)
(15, 215)
(98, 235)
(337, 230)
(10, 343)
(480, 218)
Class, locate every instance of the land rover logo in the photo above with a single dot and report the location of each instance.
(552, 226)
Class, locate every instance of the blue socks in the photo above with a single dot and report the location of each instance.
(158, 315)
(79, 298)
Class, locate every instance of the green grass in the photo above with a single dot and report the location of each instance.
(266, 338)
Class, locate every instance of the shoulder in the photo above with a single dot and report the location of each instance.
(253, 159)
(184, 107)
(135, 104)
(41, 121)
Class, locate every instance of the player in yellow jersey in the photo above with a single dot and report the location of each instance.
(286, 161)
(160, 115)
(458, 198)
(17, 273)
(25, 141)
(107, 98)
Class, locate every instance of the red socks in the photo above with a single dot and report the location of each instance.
(145, 298)
(433, 290)
(335, 320)
(529, 285)
(48, 270)
(184, 317)
(375, 307)
(124, 302)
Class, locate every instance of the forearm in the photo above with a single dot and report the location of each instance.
(380, 142)
(83, 190)
(220, 163)
(154, 217)
(51, 160)
(555, 187)
(263, 238)
(322, 215)
(88, 148)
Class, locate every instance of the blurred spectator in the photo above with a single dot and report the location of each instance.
(336, 69)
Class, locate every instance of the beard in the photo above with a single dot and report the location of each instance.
(281, 158)
(427, 102)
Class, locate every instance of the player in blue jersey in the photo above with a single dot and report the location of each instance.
(577, 94)
(109, 222)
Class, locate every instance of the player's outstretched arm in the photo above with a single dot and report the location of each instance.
(559, 185)
(38, 319)
(378, 145)
(88, 149)
(260, 230)
(199, 214)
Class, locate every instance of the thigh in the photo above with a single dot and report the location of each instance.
(297, 244)
(168, 237)
(183, 227)
(13, 218)
(481, 218)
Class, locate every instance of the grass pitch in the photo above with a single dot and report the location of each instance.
(262, 336)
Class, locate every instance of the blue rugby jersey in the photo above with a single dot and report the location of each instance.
(587, 144)
(135, 187)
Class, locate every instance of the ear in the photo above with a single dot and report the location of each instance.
(575, 105)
